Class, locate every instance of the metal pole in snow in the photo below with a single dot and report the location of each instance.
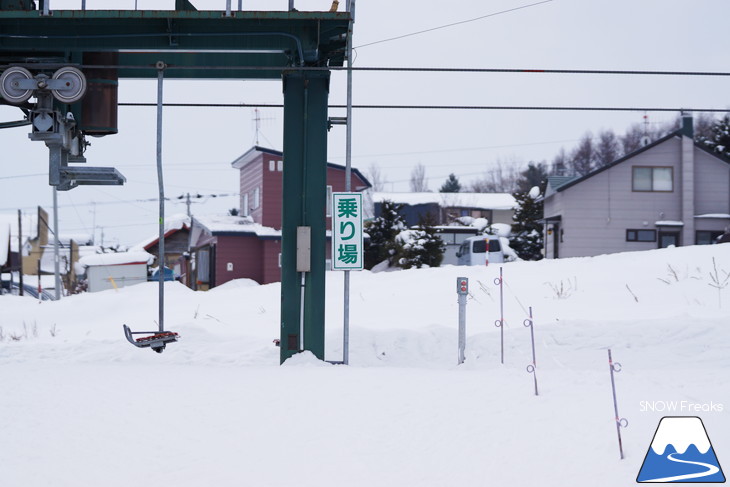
(56, 256)
(462, 290)
(40, 287)
(500, 322)
(620, 422)
(21, 292)
(532, 368)
(348, 188)
(161, 245)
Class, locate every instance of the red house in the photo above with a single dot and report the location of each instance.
(249, 245)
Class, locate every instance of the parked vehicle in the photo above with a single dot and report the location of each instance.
(480, 250)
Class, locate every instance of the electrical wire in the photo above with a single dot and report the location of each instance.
(397, 69)
(442, 107)
(494, 14)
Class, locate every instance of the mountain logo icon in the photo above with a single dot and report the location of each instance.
(681, 452)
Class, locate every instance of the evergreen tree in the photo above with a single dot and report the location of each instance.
(382, 231)
(535, 175)
(527, 238)
(420, 247)
(452, 185)
(719, 141)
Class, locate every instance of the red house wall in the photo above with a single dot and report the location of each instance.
(251, 177)
(259, 174)
(271, 269)
(244, 252)
(273, 191)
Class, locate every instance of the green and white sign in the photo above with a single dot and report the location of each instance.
(347, 241)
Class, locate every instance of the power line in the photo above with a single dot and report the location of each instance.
(25, 175)
(400, 69)
(444, 107)
(494, 14)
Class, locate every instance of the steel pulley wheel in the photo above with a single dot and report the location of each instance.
(75, 82)
(9, 86)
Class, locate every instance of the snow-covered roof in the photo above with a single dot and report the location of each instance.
(669, 223)
(235, 224)
(172, 224)
(485, 201)
(117, 258)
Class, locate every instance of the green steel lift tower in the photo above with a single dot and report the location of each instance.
(71, 62)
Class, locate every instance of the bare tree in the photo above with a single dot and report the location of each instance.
(559, 166)
(607, 148)
(500, 178)
(581, 159)
(376, 178)
(418, 182)
(631, 140)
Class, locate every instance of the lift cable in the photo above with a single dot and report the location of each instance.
(395, 69)
(493, 14)
(443, 107)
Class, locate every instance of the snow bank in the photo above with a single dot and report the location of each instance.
(86, 405)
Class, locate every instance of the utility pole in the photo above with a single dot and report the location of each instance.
(93, 224)
(187, 203)
(56, 256)
(20, 251)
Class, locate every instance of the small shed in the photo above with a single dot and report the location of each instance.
(115, 270)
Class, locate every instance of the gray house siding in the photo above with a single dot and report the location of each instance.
(596, 212)
(712, 180)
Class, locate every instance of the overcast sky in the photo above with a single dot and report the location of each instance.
(199, 144)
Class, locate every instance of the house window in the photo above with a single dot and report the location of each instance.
(652, 179)
(641, 235)
(279, 166)
(272, 165)
(244, 207)
(329, 200)
(706, 237)
(256, 198)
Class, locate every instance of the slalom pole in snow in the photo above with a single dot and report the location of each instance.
(462, 290)
(500, 322)
(620, 422)
(532, 368)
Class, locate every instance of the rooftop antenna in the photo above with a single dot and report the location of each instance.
(645, 139)
(257, 119)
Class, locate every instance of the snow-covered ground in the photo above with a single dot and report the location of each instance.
(81, 407)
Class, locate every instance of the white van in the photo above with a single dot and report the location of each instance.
(480, 250)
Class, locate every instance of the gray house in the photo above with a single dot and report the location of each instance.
(670, 192)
